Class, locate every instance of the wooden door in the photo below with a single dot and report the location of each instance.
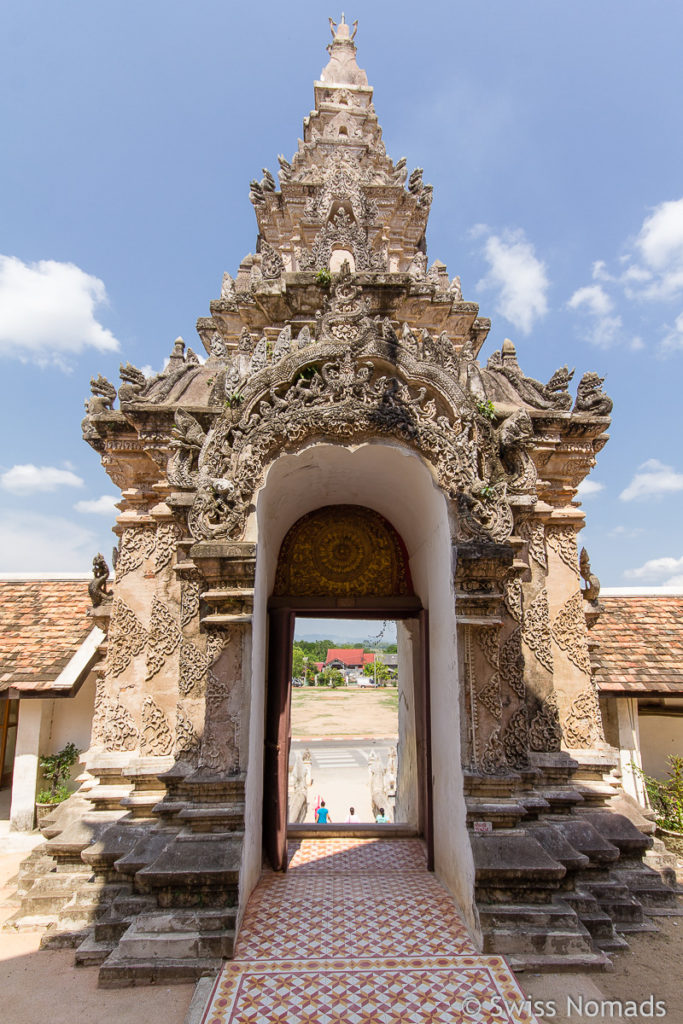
(9, 713)
(277, 736)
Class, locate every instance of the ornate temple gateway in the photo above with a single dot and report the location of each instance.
(342, 451)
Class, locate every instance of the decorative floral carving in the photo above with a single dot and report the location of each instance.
(562, 539)
(188, 437)
(342, 232)
(489, 696)
(216, 642)
(583, 726)
(186, 740)
(164, 637)
(341, 401)
(511, 663)
(126, 638)
(137, 544)
(569, 632)
(271, 261)
(531, 530)
(193, 667)
(493, 761)
(545, 731)
(512, 595)
(156, 736)
(167, 536)
(113, 727)
(536, 629)
(488, 637)
(189, 600)
(516, 739)
(220, 743)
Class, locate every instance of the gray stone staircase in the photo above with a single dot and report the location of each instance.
(570, 868)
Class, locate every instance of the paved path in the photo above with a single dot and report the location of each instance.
(359, 932)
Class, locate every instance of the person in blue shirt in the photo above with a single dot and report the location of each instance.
(322, 815)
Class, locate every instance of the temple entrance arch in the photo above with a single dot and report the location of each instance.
(394, 482)
(346, 560)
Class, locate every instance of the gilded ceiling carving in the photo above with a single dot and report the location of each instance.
(342, 551)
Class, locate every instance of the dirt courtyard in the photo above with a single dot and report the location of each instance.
(323, 713)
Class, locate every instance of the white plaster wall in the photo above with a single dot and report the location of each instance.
(397, 484)
(661, 736)
(30, 735)
(70, 719)
(630, 749)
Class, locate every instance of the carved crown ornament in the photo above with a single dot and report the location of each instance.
(385, 347)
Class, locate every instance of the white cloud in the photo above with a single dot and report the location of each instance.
(30, 479)
(593, 301)
(652, 480)
(518, 276)
(660, 243)
(47, 311)
(104, 506)
(35, 543)
(587, 488)
(593, 298)
(626, 532)
(673, 340)
(659, 571)
(652, 270)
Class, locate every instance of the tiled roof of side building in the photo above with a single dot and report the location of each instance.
(43, 623)
(641, 645)
(347, 655)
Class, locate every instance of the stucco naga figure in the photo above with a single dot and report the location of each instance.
(97, 588)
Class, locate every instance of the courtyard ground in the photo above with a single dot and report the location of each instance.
(323, 713)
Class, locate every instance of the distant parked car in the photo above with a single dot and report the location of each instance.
(297, 682)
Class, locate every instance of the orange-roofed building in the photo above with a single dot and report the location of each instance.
(348, 657)
(48, 648)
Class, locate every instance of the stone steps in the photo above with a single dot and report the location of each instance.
(186, 943)
(647, 886)
(56, 937)
(92, 953)
(117, 972)
(51, 892)
(549, 929)
(553, 963)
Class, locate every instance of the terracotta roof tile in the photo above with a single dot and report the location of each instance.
(42, 625)
(640, 645)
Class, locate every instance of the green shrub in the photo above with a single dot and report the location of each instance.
(56, 769)
(666, 796)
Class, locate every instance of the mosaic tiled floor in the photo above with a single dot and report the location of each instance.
(359, 932)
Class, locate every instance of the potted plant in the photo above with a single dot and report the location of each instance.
(56, 769)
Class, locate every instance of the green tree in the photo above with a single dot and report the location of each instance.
(332, 677)
(56, 769)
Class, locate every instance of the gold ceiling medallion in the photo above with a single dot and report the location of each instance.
(342, 551)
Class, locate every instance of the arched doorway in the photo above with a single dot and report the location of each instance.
(344, 559)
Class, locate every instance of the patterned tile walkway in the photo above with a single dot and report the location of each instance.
(359, 932)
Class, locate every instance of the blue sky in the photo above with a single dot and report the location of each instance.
(552, 134)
